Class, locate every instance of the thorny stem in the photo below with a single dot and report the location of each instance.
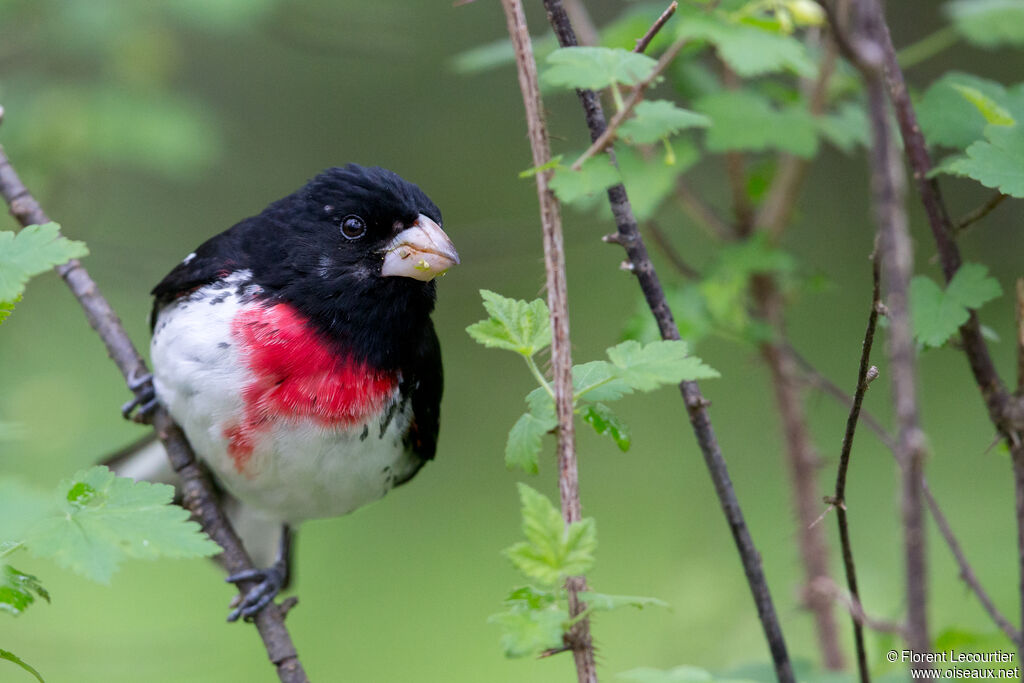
(624, 110)
(864, 377)
(629, 237)
(198, 493)
(578, 637)
(863, 47)
(642, 43)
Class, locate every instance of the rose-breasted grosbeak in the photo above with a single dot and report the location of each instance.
(297, 353)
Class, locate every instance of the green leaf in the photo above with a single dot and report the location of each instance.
(595, 176)
(516, 325)
(7, 307)
(21, 507)
(846, 128)
(552, 550)
(530, 632)
(18, 590)
(552, 163)
(749, 50)
(600, 602)
(497, 54)
(650, 179)
(604, 421)
(950, 119)
(529, 597)
(656, 119)
(11, 657)
(741, 119)
(522, 450)
(937, 314)
(996, 162)
(595, 67)
(33, 250)
(993, 113)
(598, 380)
(105, 519)
(680, 674)
(989, 23)
(647, 367)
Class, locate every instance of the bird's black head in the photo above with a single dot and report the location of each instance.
(356, 250)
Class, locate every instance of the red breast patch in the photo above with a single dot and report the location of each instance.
(295, 374)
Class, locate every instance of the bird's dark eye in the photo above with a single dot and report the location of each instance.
(353, 227)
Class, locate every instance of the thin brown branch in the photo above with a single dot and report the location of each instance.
(887, 188)
(608, 136)
(198, 493)
(1020, 336)
(803, 463)
(776, 211)
(701, 213)
(670, 252)
(824, 384)
(642, 43)
(977, 214)
(578, 638)
(864, 378)
(829, 589)
(696, 405)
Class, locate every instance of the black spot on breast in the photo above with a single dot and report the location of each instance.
(223, 345)
(388, 417)
(366, 433)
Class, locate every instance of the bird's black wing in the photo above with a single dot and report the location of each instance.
(214, 259)
(427, 388)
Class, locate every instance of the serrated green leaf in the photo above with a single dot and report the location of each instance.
(600, 602)
(11, 657)
(649, 366)
(948, 118)
(522, 450)
(552, 550)
(21, 507)
(105, 519)
(996, 162)
(18, 590)
(598, 380)
(745, 120)
(656, 119)
(937, 314)
(989, 23)
(7, 307)
(515, 325)
(530, 632)
(846, 128)
(749, 50)
(649, 179)
(530, 597)
(595, 176)
(604, 421)
(33, 250)
(988, 107)
(595, 68)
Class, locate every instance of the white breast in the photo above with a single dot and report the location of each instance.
(298, 468)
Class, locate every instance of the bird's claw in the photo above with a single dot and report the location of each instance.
(259, 596)
(140, 408)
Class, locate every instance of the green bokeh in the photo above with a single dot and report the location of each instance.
(401, 590)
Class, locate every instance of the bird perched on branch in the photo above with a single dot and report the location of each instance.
(297, 353)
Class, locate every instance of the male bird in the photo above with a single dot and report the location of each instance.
(297, 352)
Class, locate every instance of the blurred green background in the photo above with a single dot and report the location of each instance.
(147, 127)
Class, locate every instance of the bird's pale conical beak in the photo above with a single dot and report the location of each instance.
(421, 251)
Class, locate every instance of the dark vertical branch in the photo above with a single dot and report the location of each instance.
(628, 236)
(896, 253)
(198, 492)
(578, 639)
(864, 377)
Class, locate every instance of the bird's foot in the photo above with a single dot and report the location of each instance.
(140, 408)
(259, 596)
